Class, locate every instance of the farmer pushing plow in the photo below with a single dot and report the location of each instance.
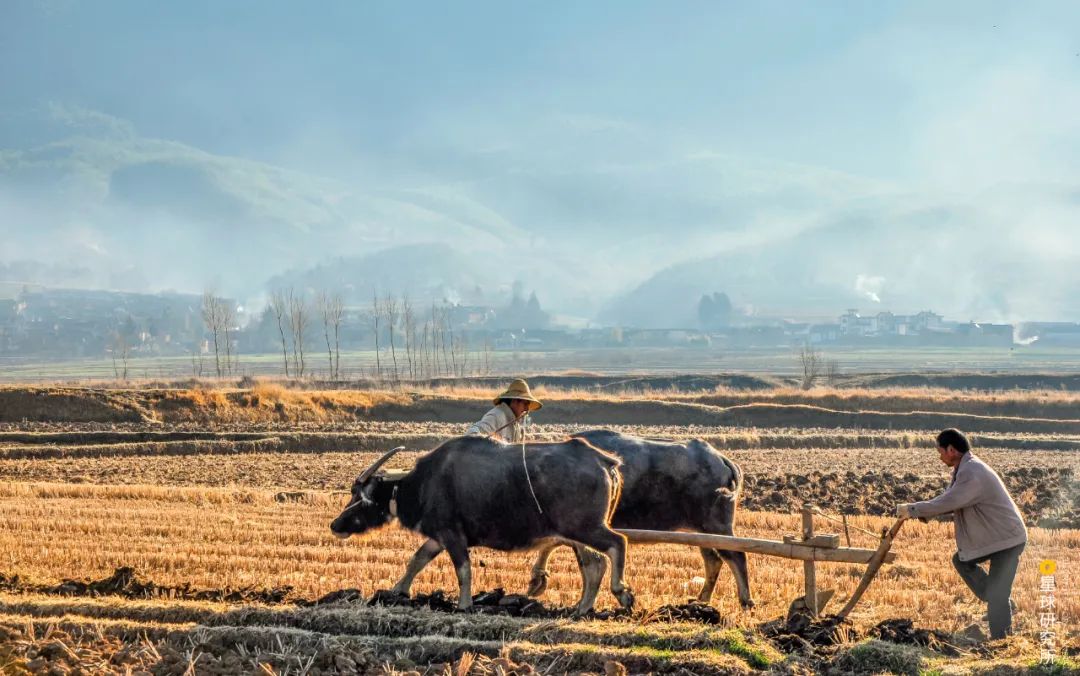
(989, 527)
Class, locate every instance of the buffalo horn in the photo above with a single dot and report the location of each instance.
(370, 471)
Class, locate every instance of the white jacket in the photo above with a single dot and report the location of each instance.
(499, 423)
(984, 514)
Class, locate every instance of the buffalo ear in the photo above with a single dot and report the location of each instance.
(366, 491)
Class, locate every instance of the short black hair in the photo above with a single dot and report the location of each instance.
(955, 438)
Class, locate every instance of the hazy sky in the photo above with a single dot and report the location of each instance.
(621, 137)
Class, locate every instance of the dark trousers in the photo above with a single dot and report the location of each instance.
(993, 587)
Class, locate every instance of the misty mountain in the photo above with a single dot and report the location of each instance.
(187, 218)
(425, 272)
(538, 211)
(635, 242)
(913, 159)
(989, 263)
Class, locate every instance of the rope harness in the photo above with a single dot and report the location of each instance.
(820, 512)
(528, 480)
(524, 418)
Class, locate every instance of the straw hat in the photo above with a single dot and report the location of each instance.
(519, 389)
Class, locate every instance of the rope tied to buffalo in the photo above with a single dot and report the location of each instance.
(528, 479)
(524, 433)
(820, 512)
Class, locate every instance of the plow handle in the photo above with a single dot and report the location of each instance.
(872, 567)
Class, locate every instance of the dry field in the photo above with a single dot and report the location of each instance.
(220, 501)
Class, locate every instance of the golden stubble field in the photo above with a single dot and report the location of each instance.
(249, 538)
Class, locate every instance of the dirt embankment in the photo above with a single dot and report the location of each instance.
(68, 405)
(619, 384)
(597, 413)
(989, 382)
(270, 404)
(259, 404)
(1042, 404)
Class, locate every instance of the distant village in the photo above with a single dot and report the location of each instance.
(67, 324)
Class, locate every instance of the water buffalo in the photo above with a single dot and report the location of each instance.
(671, 485)
(473, 491)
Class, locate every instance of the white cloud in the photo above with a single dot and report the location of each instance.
(89, 121)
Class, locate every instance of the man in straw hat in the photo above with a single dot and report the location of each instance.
(504, 421)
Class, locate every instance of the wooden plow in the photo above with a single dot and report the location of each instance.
(810, 548)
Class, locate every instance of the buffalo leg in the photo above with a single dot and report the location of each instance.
(459, 554)
(423, 556)
(612, 544)
(713, 564)
(592, 566)
(538, 582)
(721, 522)
(736, 561)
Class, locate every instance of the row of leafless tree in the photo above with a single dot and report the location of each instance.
(219, 316)
(293, 313)
(428, 344)
(432, 347)
(815, 367)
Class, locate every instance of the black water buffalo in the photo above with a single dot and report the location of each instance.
(671, 485)
(473, 491)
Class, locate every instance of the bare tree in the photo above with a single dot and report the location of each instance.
(228, 320)
(322, 306)
(441, 339)
(298, 321)
(197, 362)
(486, 358)
(120, 352)
(337, 314)
(812, 363)
(421, 360)
(408, 321)
(376, 314)
(331, 308)
(280, 307)
(459, 348)
(391, 309)
(832, 372)
(453, 352)
(211, 315)
(429, 348)
(434, 341)
(447, 336)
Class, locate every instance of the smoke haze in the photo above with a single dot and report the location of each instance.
(621, 159)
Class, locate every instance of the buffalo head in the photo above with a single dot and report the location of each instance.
(369, 507)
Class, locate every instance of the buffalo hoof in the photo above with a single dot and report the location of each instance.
(626, 598)
(538, 584)
(747, 604)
